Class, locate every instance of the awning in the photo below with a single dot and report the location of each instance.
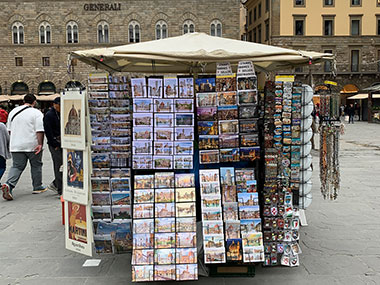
(194, 53)
(6, 98)
(363, 96)
(349, 89)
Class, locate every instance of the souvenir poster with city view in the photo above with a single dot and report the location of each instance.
(73, 134)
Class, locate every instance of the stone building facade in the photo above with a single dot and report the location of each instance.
(350, 29)
(38, 35)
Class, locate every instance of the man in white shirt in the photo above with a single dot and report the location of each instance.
(25, 124)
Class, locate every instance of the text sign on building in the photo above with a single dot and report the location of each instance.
(102, 7)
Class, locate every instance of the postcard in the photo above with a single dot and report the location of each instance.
(185, 195)
(249, 140)
(248, 126)
(209, 156)
(252, 239)
(208, 128)
(142, 105)
(186, 224)
(184, 180)
(142, 133)
(163, 148)
(142, 162)
(204, 85)
(165, 225)
(250, 226)
(143, 226)
(213, 241)
(230, 211)
(170, 87)
(183, 148)
(183, 105)
(249, 153)
(120, 118)
(103, 244)
(230, 127)
(247, 83)
(209, 189)
(163, 105)
(98, 103)
(248, 199)
(234, 250)
(232, 229)
(227, 99)
(212, 214)
(164, 240)
(212, 228)
(249, 212)
(164, 256)
(186, 87)
(209, 175)
(162, 162)
(142, 273)
(164, 272)
(211, 201)
(101, 198)
(185, 210)
(142, 256)
(142, 147)
(228, 141)
(155, 88)
(186, 255)
(138, 87)
(143, 196)
(78, 232)
(123, 241)
(207, 113)
(187, 272)
(183, 162)
(121, 197)
(163, 134)
(229, 193)
(142, 119)
(184, 134)
(164, 195)
(143, 211)
(227, 176)
(229, 155)
(207, 100)
(100, 184)
(100, 212)
(120, 184)
(244, 175)
(73, 120)
(120, 159)
(186, 240)
(144, 181)
(225, 83)
(101, 140)
(228, 113)
(253, 254)
(208, 142)
(247, 112)
(184, 119)
(164, 179)
(247, 97)
(164, 210)
(163, 120)
(121, 211)
(215, 255)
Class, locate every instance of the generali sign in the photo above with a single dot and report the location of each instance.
(102, 7)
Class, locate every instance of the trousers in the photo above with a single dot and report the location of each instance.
(3, 165)
(19, 161)
(56, 156)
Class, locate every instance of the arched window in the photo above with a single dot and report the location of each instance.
(46, 88)
(74, 85)
(45, 33)
(19, 88)
(103, 33)
(188, 27)
(18, 33)
(134, 32)
(161, 30)
(72, 32)
(216, 28)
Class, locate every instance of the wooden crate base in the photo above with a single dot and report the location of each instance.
(228, 270)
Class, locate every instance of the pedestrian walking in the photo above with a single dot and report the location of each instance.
(4, 142)
(351, 113)
(52, 128)
(25, 124)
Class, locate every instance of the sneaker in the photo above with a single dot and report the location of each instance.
(53, 188)
(6, 192)
(40, 189)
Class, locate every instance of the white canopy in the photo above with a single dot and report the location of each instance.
(194, 53)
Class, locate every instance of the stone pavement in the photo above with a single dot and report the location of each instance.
(340, 245)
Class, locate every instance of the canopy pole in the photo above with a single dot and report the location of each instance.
(370, 113)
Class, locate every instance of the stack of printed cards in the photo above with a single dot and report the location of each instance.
(163, 123)
(213, 234)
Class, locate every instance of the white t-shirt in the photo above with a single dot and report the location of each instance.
(24, 129)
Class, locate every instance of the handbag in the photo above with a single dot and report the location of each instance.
(346, 118)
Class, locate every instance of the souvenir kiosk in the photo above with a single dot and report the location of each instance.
(188, 167)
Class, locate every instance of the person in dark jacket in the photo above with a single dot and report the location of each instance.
(351, 113)
(52, 128)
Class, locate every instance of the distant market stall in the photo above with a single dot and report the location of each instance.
(192, 142)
